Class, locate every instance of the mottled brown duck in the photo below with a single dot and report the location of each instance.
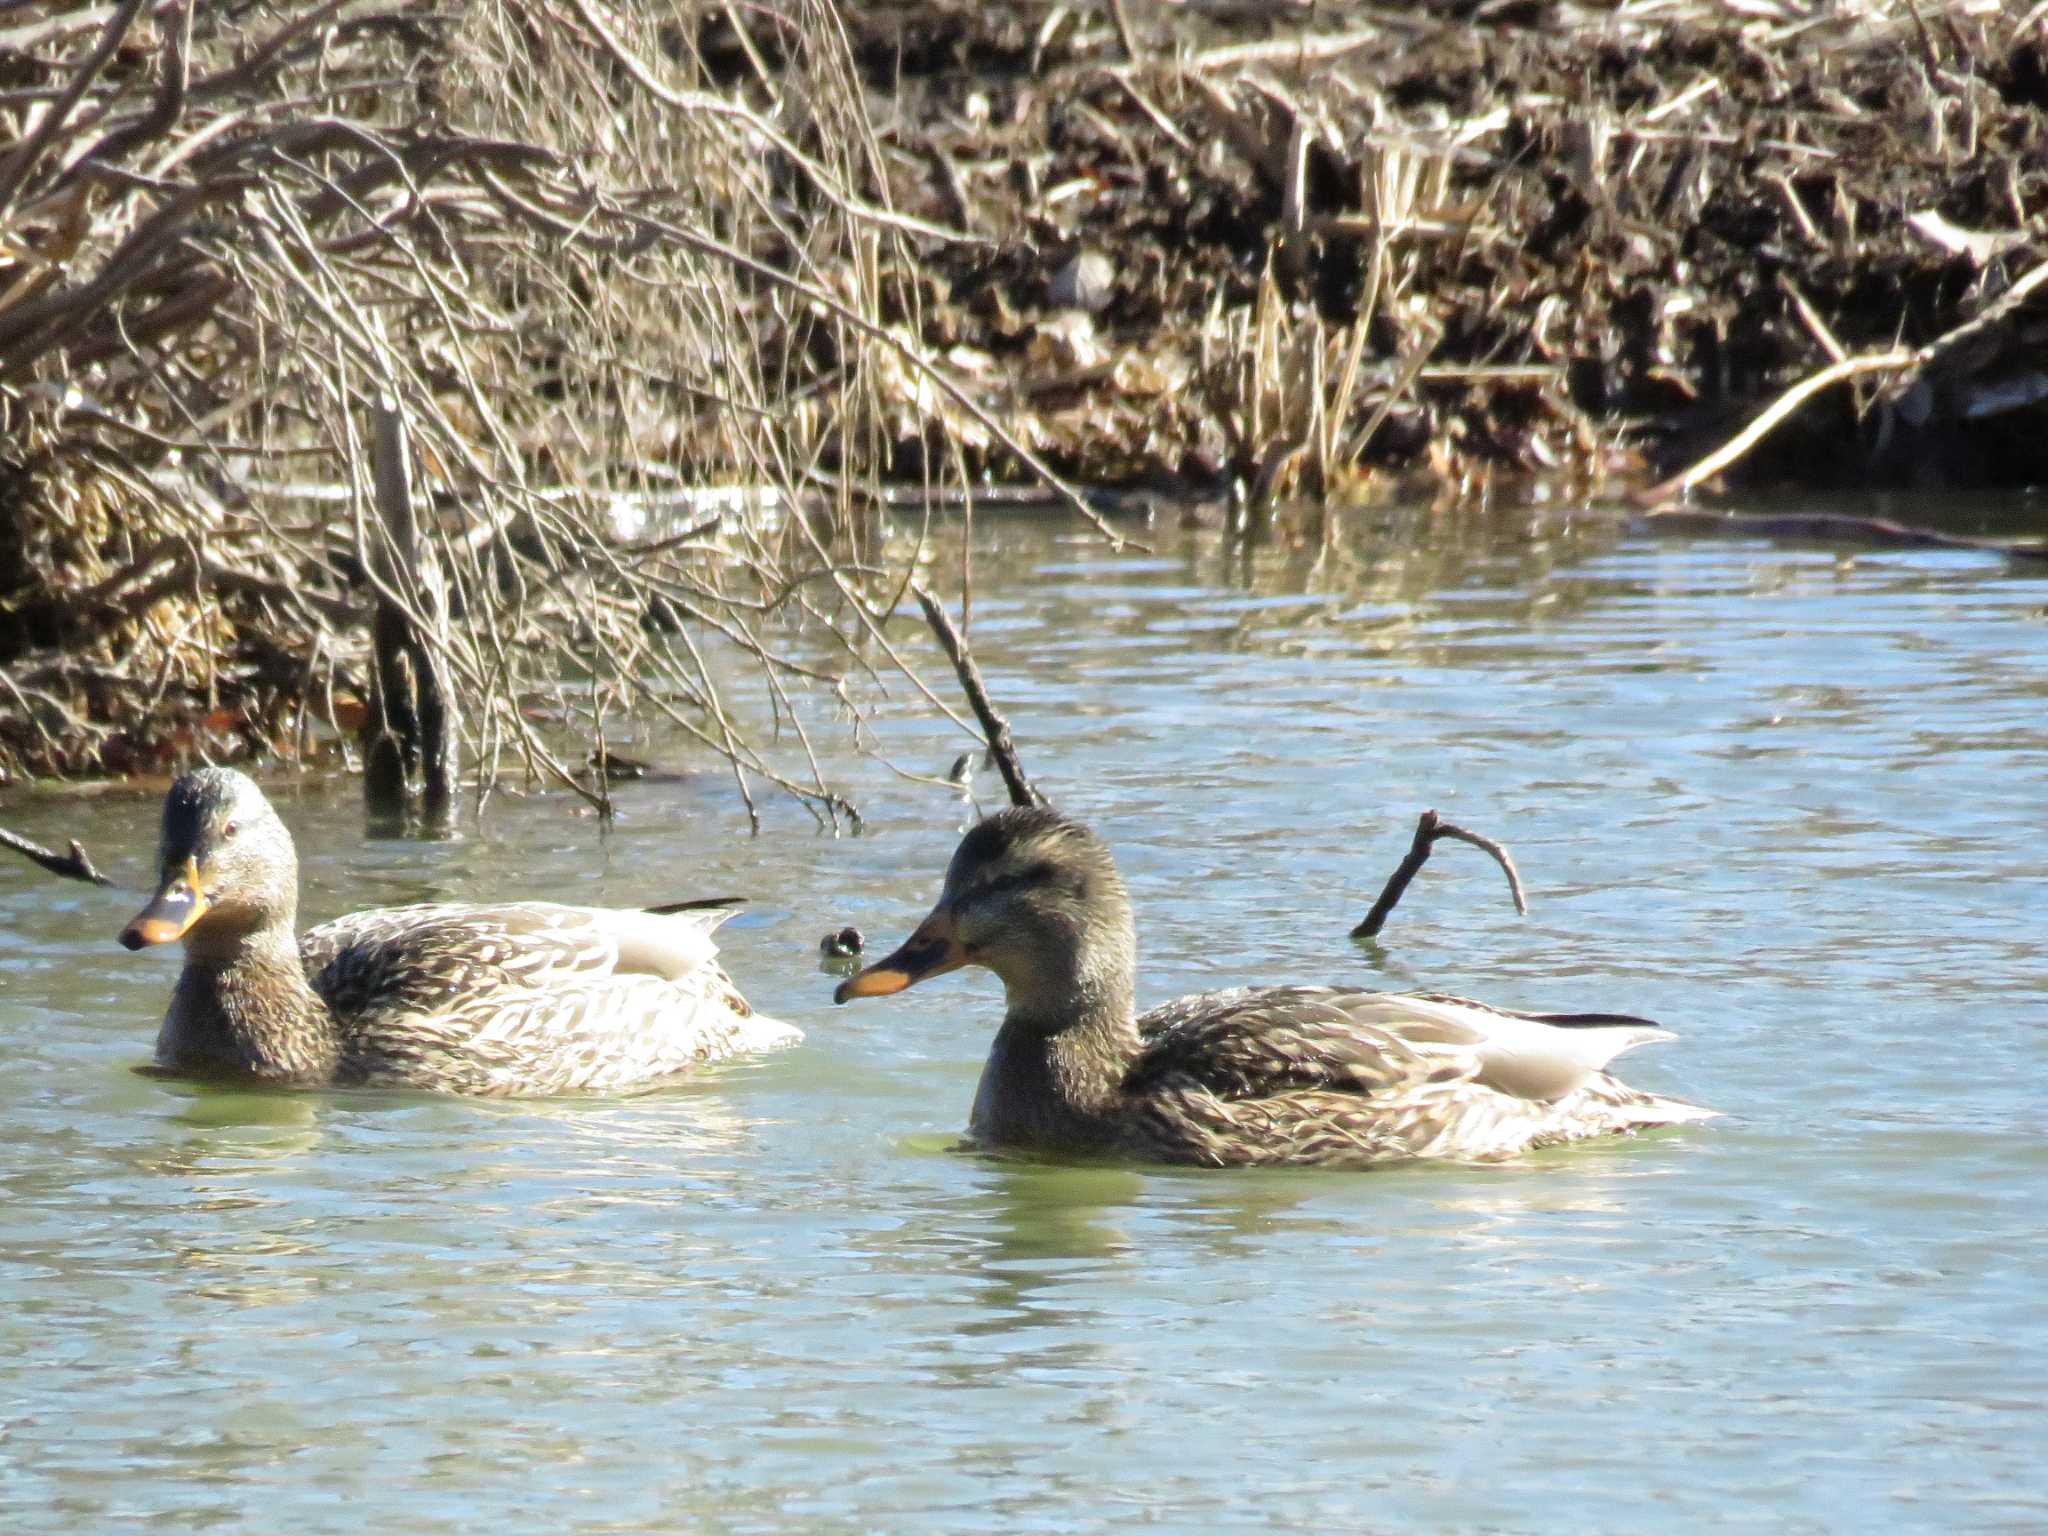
(507, 998)
(1257, 1075)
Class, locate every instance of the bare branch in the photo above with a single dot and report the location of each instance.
(1739, 446)
(72, 866)
(1429, 828)
(995, 729)
(19, 164)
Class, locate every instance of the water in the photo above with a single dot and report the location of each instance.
(1790, 804)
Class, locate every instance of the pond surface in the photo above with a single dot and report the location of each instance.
(1789, 803)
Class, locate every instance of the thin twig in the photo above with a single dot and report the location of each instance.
(22, 161)
(1429, 827)
(1127, 39)
(995, 729)
(704, 102)
(75, 866)
(1959, 340)
(696, 240)
(1738, 447)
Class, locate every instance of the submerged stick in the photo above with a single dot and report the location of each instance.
(74, 866)
(995, 729)
(1429, 827)
(1881, 532)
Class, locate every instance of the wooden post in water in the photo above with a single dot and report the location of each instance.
(414, 728)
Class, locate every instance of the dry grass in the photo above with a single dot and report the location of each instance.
(1292, 388)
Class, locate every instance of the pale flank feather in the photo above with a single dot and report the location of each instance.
(529, 997)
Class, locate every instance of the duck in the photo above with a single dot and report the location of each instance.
(496, 999)
(1252, 1076)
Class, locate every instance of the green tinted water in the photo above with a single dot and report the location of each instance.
(1789, 805)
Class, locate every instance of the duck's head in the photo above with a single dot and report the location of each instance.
(1032, 896)
(225, 865)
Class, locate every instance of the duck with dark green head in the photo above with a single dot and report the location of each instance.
(1255, 1075)
(501, 998)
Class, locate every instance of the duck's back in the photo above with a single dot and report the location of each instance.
(1278, 1075)
(530, 997)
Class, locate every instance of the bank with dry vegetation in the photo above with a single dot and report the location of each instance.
(673, 302)
(1451, 244)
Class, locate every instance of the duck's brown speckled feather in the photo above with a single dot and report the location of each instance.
(528, 997)
(1279, 1075)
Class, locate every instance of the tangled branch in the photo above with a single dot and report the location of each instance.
(592, 275)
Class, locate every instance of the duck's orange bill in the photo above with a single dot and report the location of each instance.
(170, 913)
(931, 951)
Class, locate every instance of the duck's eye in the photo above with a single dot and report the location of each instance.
(227, 833)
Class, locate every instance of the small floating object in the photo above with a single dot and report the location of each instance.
(843, 945)
(614, 766)
(967, 765)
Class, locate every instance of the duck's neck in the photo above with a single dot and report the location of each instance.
(244, 1006)
(1055, 1073)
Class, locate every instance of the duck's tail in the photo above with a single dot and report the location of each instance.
(697, 904)
(1632, 1107)
(758, 1032)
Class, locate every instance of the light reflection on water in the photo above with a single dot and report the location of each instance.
(1789, 804)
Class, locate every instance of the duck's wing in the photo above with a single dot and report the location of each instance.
(1558, 1060)
(1282, 1075)
(1329, 1075)
(425, 956)
(530, 997)
(1530, 1055)
(1253, 1041)
(613, 1034)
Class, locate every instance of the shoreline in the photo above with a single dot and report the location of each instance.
(1555, 245)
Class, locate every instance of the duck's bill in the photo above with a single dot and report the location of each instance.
(931, 951)
(171, 912)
